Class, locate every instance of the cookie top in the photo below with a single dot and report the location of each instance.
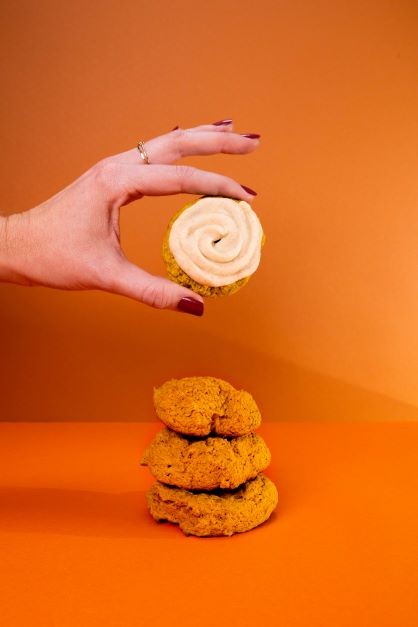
(203, 405)
(205, 464)
(208, 514)
(214, 242)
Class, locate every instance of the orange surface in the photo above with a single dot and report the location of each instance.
(79, 548)
(331, 86)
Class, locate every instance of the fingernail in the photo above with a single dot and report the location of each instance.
(191, 306)
(249, 190)
(251, 135)
(174, 129)
(221, 122)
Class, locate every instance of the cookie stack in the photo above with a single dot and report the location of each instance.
(208, 461)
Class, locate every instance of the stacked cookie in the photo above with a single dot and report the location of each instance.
(208, 461)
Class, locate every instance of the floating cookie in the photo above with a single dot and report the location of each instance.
(202, 405)
(208, 514)
(213, 245)
(205, 464)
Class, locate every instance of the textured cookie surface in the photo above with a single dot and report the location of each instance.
(202, 405)
(221, 514)
(205, 464)
(179, 275)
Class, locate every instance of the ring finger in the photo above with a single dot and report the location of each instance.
(207, 139)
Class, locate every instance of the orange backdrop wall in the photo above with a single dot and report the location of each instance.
(327, 328)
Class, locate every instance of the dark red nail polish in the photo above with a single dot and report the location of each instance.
(249, 190)
(174, 129)
(222, 122)
(191, 306)
(251, 135)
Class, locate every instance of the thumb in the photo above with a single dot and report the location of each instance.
(129, 280)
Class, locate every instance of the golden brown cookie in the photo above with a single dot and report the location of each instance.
(205, 464)
(218, 247)
(208, 514)
(202, 405)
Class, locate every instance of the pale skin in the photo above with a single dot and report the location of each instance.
(72, 240)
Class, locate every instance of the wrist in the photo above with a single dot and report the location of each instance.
(12, 249)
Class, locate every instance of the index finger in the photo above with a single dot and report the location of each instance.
(126, 183)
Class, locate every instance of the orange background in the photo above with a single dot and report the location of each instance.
(327, 328)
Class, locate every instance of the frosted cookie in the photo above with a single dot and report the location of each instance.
(205, 464)
(213, 245)
(203, 405)
(208, 514)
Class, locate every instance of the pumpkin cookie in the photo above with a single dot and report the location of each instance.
(202, 405)
(205, 464)
(213, 245)
(208, 514)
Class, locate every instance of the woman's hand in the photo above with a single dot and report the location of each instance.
(72, 240)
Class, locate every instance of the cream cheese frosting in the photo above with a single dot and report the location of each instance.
(217, 240)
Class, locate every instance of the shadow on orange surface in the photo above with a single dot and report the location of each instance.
(81, 513)
(76, 512)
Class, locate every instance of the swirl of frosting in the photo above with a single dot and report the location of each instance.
(217, 240)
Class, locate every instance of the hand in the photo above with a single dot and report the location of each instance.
(72, 240)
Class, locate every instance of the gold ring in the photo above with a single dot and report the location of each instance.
(143, 152)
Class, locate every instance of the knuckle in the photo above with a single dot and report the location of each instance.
(105, 173)
(156, 295)
(184, 172)
(178, 138)
(224, 144)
